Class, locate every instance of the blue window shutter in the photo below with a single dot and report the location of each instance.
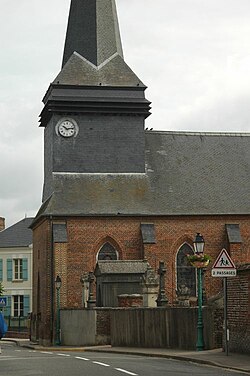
(25, 269)
(9, 270)
(26, 305)
(7, 309)
(1, 270)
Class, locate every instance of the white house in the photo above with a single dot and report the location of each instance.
(16, 268)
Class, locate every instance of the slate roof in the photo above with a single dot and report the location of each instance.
(93, 31)
(122, 267)
(186, 174)
(18, 235)
(114, 72)
(93, 50)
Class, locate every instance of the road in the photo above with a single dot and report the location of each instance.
(19, 361)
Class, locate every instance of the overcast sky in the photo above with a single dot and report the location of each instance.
(194, 56)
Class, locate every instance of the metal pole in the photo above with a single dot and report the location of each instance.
(200, 340)
(226, 333)
(58, 329)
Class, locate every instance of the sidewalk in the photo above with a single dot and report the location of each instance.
(215, 357)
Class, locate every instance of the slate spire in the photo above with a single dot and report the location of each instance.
(93, 51)
(93, 31)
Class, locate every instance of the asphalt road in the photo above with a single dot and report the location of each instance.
(18, 361)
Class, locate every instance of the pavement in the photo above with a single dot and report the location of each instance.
(217, 358)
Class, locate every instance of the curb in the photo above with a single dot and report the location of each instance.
(175, 357)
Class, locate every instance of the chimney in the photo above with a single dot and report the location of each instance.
(2, 223)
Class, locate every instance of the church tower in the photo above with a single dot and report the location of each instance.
(94, 110)
(94, 160)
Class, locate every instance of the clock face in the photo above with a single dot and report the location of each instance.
(67, 128)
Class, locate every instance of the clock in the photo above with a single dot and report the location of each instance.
(67, 127)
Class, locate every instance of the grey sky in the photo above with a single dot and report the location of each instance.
(194, 56)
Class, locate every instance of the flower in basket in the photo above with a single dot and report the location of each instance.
(199, 260)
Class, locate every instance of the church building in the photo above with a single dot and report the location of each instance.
(116, 191)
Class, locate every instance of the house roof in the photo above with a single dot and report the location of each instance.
(122, 267)
(18, 235)
(186, 174)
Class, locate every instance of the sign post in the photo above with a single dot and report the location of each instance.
(3, 301)
(224, 267)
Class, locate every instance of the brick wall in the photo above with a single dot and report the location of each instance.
(103, 326)
(43, 288)
(134, 300)
(86, 236)
(239, 310)
(2, 223)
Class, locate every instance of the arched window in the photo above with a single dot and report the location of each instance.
(107, 252)
(186, 275)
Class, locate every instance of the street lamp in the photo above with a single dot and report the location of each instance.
(198, 249)
(58, 284)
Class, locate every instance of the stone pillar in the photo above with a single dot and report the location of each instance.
(85, 289)
(162, 300)
(91, 301)
(183, 295)
(150, 288)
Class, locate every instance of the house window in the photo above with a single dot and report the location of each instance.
(18, 305)
(18, 268)
(107, 252)
(186, 275)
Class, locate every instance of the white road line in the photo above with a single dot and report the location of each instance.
(32, 351)
(127, 372)
(63, 354)
(18, 350)
(102, 364)
(79, 357)
(46, 352)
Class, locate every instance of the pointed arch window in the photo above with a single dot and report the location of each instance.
(186, 274)
(107, 252)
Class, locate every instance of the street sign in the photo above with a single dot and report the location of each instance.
(3, 301)
(224, 266)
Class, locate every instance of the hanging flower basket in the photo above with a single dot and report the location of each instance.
(200, 260)
(199, 264)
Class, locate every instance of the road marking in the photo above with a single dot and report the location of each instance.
(63, 354)
(124, 371)
(79, 357)
(11, 359)
(102, 364)
(46, 352)
(18, 350)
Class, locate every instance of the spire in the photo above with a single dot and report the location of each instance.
(93, 31)
(93, 59)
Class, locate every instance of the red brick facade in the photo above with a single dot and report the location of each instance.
(86, 236)
(239, 310)
(134, 300)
